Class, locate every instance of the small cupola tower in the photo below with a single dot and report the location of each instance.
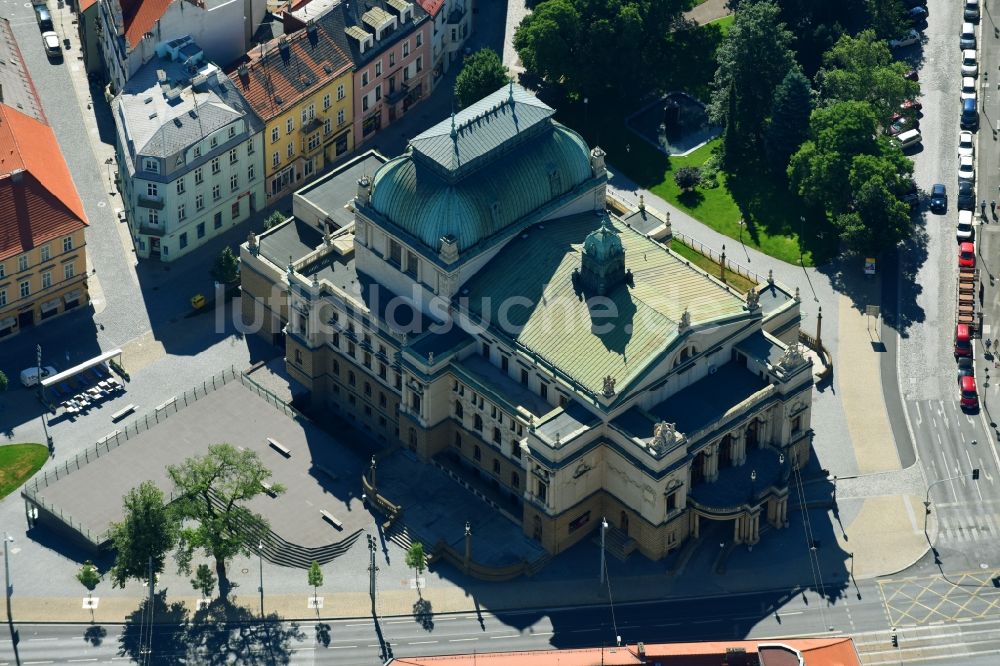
(603, 260)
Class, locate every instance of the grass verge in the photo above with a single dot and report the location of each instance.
(18, 463)
(710, 266)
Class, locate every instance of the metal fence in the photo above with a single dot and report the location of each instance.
(731, 266)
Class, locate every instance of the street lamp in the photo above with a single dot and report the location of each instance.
(604, 527)
(753, 482)
(6, 568)
(260, 564)
(373, 472)
(927, 498)
(41, 394)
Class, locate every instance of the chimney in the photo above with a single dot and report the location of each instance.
(1, 93)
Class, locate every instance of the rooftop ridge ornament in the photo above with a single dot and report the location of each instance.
(685, 323)
(753, 299)
(609, 386)
(664, 434)
(454, 132)
(510, 93)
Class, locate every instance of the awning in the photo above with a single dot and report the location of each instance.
(7, 323)
(50, 305)
(77, 369)
(72, 296)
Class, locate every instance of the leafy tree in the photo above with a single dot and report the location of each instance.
(89, 577)
(888, 18)
(483, 73)
(212, 492)
(315, 577)
(547, 40)
(204, 580)
(227, 267)
(754, 58)
(3, 382)
(862, 68)
(687, 178)
(789, 125)
(879, 221)
(273, 220)
(415, 558)
(820, 170)
(146, 533)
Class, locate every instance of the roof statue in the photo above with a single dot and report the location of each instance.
(664, 434)
(685, 322)
(793, 357)
(753, 299)
(609, 386)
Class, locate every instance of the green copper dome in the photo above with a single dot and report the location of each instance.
(603, 243)
(506, 187)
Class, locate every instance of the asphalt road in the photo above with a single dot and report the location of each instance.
(974, 634)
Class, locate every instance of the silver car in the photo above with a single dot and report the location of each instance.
(967, 168)
(966, 144)
(970, 66)
(968, 87)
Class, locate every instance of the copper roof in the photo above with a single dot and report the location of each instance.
(289, 69)
(38, 200)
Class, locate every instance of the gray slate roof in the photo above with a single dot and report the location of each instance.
(457, 144)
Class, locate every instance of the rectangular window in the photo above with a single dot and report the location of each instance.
(233, 157)
(181, 213)
(411, 264)
(392, 58)
(234, 182)
(364, 103)
(274, 135)
(543, 391)
(3, 271)
(378, 92)
(25, 289)
(420, 39)
(68, 270)
(154, 217)
(197, 152)
(340, 118)
(46, 279)
(235, 209)
(180, 186)
(250, 147)
(486, 350)
(406, 73)
(217, 222)
(216, 192)
(232, 132)
(671, 502)
(420, 63)
(327, 126)
(199, 176)
(152, 190)
(289, 125)
(364, 78)
(340, 92)
(216, 168)
(378, 68)
(275, 160)
(215, 141)
(22, 263)
(496, 435)
(406, 48)
(199, 202)
(250, 173)
(524, 377)
(504, 363)
(44, 252)
(3, 297)
(313, 143)
(67, 243)
(326, 101)
(184, 240)
(290, 150)
(201, 230)
(151, 165)
(796, 424)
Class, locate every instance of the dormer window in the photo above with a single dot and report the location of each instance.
(151, 165)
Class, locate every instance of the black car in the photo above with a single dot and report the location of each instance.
(966, 195)
(918, 15)
(965, 368)
(939, 198)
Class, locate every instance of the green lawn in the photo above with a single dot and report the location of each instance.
(18, 463)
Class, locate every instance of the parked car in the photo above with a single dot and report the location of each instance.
(970, 115)
(971, 11)
(970, 66)
(910, 105)
(968, 88)
(902, 124)
(967, 168)
(968, 395)
(966, 145)
(909, 39)
(967, 255)
(912, 75)
(967, 38)
(966, 197)
(918, 15)
(966, 367)
(963, 341)
(939, 198)
(963, 231)
(50, 41)
(44, 18)
(30, 376)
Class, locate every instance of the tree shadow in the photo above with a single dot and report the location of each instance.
(223, 633)
(155, 628)
(323, 634)
(95, 634)
(691, 198)
(423, 614)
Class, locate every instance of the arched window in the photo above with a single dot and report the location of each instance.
(350, 378)
(515, 480)
(459, 411)
(368, 389)
(685, 355)
(479, 423)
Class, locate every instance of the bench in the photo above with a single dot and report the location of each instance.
(122, 413)
(279, 447)
(330, 518)
(268, 488)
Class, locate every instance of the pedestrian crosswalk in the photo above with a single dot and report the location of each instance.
(965, 522)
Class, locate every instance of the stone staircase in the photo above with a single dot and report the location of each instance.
(399, 535)
(616, 543)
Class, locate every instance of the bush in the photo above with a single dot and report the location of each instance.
(273, 220)
(3, 382)
(687, 178)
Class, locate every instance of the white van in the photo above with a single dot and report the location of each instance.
(964, 231)
(909, 138)
(29, 376)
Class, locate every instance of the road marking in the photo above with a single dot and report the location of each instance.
(75, 661)
(493, 638)
(920, 418)
(342, 647)
(415, 643)
(28, 663)
(43, 639)
(462, 640)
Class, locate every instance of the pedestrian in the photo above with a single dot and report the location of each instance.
(982, 207)
(993, 207)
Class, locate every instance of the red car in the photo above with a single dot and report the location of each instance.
(963, 341)
(969, 395)
(967, 255)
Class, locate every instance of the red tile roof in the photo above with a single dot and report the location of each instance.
(312, 59)
(86, 4)
(139, 17)
(38, 200)
(815, 652)
(432, 7)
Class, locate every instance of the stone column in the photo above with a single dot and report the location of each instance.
(738, 529)
(754, 535)
(711, 468)
(739, 441)
(696, 524)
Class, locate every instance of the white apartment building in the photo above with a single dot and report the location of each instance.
(189, 153)
(452, 25)
(131, 31)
